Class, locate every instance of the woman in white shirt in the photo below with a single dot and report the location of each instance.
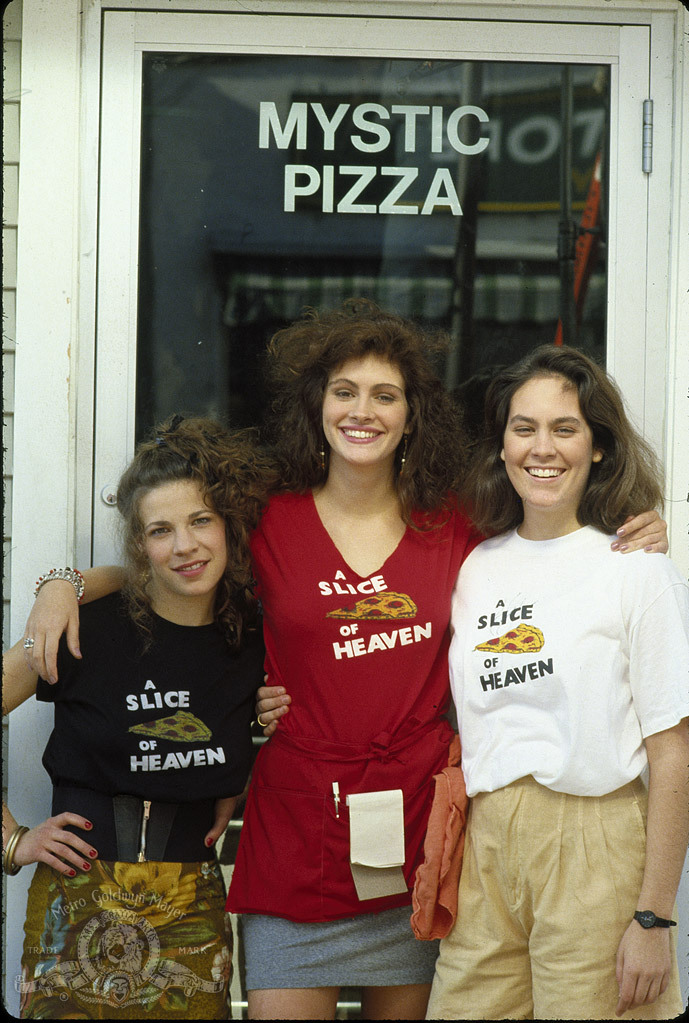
(569, 669)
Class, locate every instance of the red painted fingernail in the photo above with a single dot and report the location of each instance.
(86, 866)
(72, 873)
(209, 841)
(93, 853)
(88, 824)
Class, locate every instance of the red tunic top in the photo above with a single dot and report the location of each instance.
(365, 662)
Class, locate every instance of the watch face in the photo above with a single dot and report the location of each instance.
(646, 918)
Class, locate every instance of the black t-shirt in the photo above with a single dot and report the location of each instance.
(170, 722)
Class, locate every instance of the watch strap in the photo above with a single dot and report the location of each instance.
(647, 919)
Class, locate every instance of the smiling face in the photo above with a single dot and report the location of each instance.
(365, 412)
(548, 452)
(184, 540)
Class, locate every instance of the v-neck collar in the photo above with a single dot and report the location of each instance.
(376, 571)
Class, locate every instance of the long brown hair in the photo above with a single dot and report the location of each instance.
(234, 478)
(627, 480)
(303, 357)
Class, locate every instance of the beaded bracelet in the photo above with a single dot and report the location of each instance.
(8, 864)
(72, 575)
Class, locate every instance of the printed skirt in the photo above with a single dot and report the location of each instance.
(127, 940)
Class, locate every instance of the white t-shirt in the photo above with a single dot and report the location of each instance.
(589, 654)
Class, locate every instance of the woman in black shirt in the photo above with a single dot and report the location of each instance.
(150, 748)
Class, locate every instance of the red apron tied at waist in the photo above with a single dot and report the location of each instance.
(383, 746)
(302, 872)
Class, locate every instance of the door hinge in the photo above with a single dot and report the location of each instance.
(647, 138)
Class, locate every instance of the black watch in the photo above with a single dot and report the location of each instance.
(648, 919)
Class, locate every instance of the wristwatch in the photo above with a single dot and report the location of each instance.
(648, 919)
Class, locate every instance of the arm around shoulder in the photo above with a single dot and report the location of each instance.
(646, 530)
(56, 611)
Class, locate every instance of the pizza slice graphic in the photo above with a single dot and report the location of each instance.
(180, 727)
(387, 604)
(522, 640)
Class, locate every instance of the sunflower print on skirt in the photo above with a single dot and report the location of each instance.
(125, 940)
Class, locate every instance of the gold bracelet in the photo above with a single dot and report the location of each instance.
(8, 864)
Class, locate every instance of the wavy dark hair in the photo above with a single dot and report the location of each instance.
(626, 481)
(234, 477)
(304, 355)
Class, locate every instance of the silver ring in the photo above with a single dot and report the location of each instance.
(28, 643)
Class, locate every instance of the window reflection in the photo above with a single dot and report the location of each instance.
(271, 183)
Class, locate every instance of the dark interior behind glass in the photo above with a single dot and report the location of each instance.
(273, 183)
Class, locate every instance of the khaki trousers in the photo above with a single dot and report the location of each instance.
(549, 885)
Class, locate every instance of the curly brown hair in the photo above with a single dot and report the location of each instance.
(302, 358)
(234, 477)
(626, 481)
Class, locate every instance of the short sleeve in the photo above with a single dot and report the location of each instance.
(659, 660)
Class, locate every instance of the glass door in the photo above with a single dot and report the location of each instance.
(468, 175)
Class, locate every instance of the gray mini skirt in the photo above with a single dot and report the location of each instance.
(371, 950)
